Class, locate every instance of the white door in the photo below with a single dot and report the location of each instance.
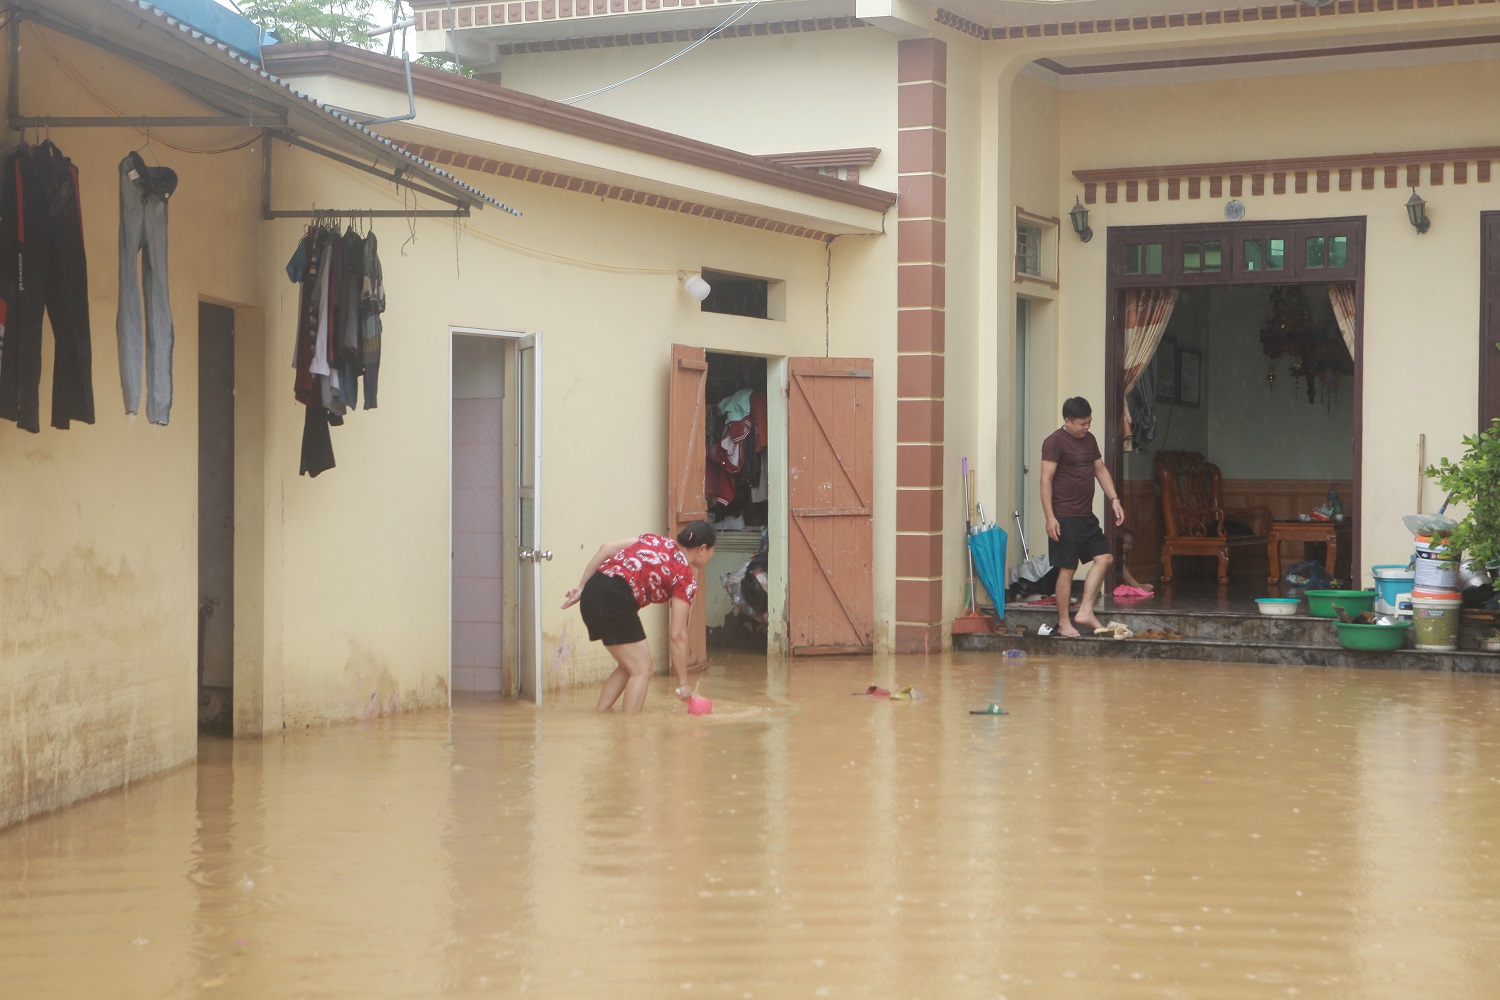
(529, 551)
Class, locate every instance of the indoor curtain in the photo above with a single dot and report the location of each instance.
(1342, 297)
(1147, 311)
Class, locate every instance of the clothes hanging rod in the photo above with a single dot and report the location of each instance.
(365, 213)
(402, 175)
(191, 121)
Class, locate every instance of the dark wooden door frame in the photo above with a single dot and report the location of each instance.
(1489, 304)
(1232, 236)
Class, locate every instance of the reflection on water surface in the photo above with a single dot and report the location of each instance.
(1130, 829)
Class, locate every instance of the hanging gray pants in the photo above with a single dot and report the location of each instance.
(143, 229)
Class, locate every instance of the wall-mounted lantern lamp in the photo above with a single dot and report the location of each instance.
(695, 286)
(1080, 217)
(1416, 211)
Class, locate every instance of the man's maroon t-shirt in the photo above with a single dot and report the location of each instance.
(1073, 483)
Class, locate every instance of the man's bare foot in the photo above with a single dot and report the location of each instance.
(1087, 620)
(1066, 630)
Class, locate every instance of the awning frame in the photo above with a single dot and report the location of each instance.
(273, 123)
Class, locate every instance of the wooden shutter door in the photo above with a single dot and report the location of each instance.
(830, 481)
(687, 426)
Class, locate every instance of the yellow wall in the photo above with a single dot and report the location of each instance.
(342, 582)
(759, 98)
(1421, 293)
(98, 565)
(597, 281)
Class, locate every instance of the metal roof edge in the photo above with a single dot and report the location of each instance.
(468, 192)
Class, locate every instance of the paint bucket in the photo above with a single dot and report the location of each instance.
(1391, 581)
(1435, 621)
(699, 706)
(1437, 569)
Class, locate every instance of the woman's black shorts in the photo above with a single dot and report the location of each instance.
(609, 611)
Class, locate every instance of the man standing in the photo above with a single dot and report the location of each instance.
(1070, 463)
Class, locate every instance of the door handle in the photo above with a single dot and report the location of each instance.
(526, 555)
(542, 555)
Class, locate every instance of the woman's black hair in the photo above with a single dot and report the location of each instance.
(696, 535)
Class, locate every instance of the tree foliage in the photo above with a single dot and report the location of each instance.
(1474, 481)
(315, 20)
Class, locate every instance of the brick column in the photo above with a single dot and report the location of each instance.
(922, 162)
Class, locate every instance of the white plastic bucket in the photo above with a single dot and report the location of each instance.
(1435, 621)
(1390, 583)
(1437, 570)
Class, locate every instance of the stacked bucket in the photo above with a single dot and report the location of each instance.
(1435, 600)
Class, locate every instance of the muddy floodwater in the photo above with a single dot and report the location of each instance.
(1128, 829)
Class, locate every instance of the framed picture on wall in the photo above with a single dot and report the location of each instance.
(1166, 370)
(1189, 378)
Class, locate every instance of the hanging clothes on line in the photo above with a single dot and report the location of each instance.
(338, 332)
(43, 271)
(144, 192)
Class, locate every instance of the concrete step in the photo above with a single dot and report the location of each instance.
(1298, 640)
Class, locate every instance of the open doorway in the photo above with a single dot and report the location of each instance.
(1256, 379)
(737, 478)
(1257, 299)
(478, 490)
(495, 456)
(215, 519)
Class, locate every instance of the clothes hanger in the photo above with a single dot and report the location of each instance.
(142, 147)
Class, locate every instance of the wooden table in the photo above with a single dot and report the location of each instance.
(1326, 532)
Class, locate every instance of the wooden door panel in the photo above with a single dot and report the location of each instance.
(830, 484)
(687, 427)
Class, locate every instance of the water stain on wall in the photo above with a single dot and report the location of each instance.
(96, 680)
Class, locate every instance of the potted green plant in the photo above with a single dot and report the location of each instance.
(1490, 642)
(1474, 482)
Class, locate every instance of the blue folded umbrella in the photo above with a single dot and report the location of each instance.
(987, 547)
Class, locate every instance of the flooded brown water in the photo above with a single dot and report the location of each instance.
(1129, 829)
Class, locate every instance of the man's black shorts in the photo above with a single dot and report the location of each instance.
(609, 611)
(1081, 540)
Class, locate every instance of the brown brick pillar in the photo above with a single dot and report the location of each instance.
(922, 162)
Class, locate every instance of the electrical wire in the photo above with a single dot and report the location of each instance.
(672, 58)
(72, 73)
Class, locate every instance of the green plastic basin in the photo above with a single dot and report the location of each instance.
(1320, 602)
(1352, 636)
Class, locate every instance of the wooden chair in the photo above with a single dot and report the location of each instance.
(1193, 514)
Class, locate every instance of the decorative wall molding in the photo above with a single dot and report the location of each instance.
(845, 164)
(1308, 173)
(1193, 19)
(601, 189)
(433, 15)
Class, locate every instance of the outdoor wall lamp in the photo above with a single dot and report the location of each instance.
(695, 286)
(1416, 211)
(1080, 217)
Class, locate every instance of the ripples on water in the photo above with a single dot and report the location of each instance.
(1128, 830)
